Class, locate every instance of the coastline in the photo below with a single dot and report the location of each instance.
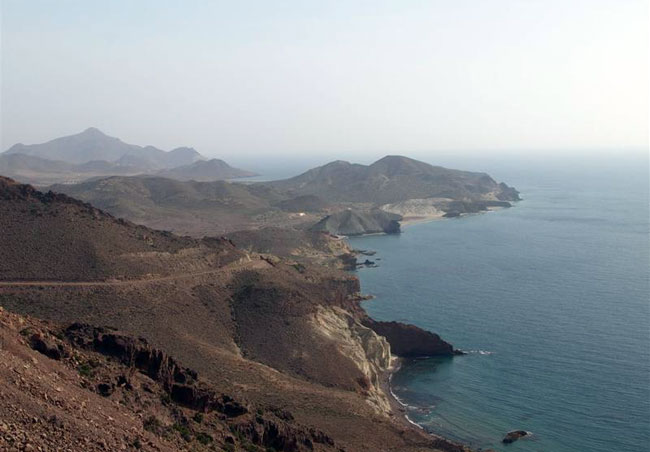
(400, 416)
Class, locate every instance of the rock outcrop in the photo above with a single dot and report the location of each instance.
(409, 341)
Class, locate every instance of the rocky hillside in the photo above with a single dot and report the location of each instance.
(300, 245)
(79, 387)
(393, 179)
(189, 207)
(257, 331)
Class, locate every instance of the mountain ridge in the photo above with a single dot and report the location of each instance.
(393, 179)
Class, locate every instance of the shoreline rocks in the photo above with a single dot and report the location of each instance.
(410, 341)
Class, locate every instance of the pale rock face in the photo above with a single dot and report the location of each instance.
(369, 351)
(431, 207)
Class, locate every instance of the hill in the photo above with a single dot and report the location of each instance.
(357, 222)
(393, 179)
(185, 207)
(206, 171)
(267, 333)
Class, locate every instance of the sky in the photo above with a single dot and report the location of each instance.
(345, 79)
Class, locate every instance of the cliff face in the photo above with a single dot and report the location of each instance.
(369, 351)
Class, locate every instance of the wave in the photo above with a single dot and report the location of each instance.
(478, 352)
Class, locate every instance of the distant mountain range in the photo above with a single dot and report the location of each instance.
(92, 153)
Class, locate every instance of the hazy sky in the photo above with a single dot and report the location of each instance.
(357, 78)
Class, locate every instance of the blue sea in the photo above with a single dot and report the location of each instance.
(550, 299)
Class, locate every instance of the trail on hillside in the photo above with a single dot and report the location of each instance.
(253, 264)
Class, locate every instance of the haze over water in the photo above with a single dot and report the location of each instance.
(550, 299)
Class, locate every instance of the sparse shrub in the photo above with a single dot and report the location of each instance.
(184, 432)
(203, 438)
(152, 424)
(137, 444)
(85, 370)
(198, 418)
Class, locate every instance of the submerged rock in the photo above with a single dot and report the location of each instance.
(514, 435)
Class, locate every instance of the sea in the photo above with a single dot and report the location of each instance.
(549, 299)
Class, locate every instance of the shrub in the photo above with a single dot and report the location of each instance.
(152, 424)
(203, 438)
(85, 370)
(184, 431)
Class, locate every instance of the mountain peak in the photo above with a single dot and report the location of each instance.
(93, 131)
(395, 159)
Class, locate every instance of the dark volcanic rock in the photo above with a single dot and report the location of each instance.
(180, 382)
(47, 347)
(409, 341)
(514, 435)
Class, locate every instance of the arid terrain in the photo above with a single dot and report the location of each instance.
(287, 340)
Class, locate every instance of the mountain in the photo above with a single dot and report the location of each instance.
(354, 222)
(206, 171)
(192, 338)
(92, 153)
(393, 179)
(93, 144)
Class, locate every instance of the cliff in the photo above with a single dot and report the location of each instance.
(409, 341)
